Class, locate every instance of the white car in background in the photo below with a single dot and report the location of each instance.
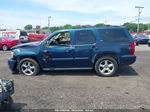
(16, 34)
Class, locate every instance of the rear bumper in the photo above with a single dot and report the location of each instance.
(127, 59)
(12, 64)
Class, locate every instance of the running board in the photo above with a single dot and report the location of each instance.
(51, 69)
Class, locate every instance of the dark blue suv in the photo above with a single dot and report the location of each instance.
(103, 49)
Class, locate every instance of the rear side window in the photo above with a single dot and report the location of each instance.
(113, 35)
(84, 37)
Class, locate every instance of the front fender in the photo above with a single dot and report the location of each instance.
(25, 52)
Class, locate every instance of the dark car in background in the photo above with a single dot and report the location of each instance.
(149, 43)
(103, 49)
(141, 39)
(7, 43)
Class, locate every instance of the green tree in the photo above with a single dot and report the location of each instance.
(77, 26)
(143, 27)
(55, 28)
(100, 24)
(45, 28)
(148, 26)
(85, 26)
(28, 27)
(67, 26)
(133, 27)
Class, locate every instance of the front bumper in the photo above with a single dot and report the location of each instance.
(12, 64)
(127, 59)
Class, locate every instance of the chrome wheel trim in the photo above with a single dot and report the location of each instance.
(106, 67)
(28, 68)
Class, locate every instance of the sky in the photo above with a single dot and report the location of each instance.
(18, 13)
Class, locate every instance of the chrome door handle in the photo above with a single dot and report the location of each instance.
(45, 51)
(68, 50)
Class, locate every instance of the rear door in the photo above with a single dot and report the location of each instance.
(85, 45)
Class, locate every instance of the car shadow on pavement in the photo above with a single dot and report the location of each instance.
(123, 71)
(126, 71)
(69, 72)
(15, 107)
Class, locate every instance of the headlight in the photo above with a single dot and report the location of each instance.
(12, 54)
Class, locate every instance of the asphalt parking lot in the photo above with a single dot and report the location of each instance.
(130, 89)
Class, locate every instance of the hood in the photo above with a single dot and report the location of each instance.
(32, 44)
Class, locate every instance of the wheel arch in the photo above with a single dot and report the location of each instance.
(110, 54)
(19, 58)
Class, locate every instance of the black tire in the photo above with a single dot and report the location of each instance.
(6, 104)
(111, 61)
(5, 48)
(33, 63)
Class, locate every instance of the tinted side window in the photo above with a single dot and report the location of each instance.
(113, 35)
(84, 37)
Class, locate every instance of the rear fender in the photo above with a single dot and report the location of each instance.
(110, 54)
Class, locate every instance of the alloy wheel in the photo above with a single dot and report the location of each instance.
(28, 68)
(106, 67)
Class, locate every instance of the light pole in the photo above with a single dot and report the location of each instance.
(139, 13)
(49, 22)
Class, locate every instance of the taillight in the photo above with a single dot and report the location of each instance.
(132, 48)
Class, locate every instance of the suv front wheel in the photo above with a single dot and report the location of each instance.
(106, 66)
(29, 67)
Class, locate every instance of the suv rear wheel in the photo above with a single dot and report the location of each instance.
(106, 66)
(29, 67)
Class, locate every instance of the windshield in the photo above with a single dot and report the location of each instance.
(51, 35)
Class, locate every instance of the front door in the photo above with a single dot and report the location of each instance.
(59, 52)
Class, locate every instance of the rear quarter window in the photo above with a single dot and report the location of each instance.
(113, 35)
